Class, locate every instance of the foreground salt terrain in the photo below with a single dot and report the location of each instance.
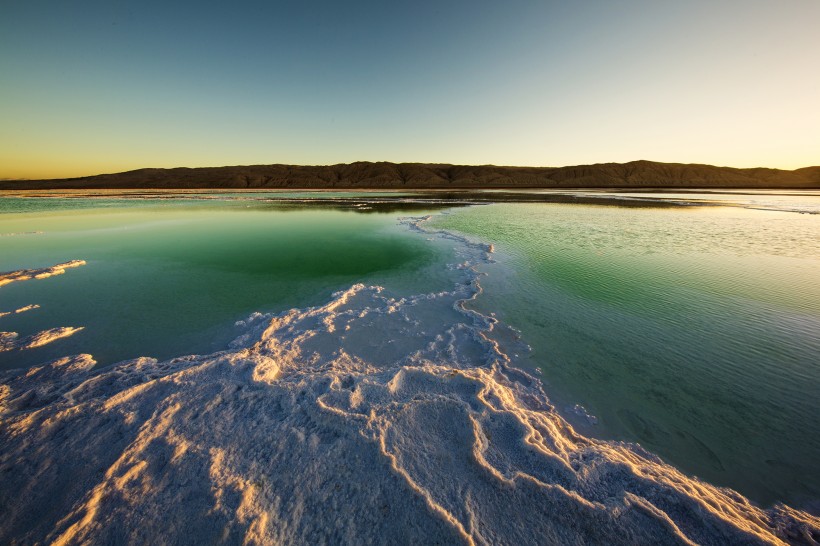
(371, 419)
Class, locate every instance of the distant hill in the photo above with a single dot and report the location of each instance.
(381, 175)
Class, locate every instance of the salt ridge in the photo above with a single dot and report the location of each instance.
(20, 310)
(42, 273)
(373, 418)
(11, 340)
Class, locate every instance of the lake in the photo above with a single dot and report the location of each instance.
(686, 323)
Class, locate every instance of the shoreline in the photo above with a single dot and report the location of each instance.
(405, 201)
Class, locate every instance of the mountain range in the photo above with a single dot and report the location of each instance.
(384, 175)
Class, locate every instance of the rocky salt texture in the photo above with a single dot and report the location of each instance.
(11, 340)
(371, 419)
(20, 310)
(42, 273)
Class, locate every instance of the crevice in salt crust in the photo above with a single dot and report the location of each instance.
(371, 419)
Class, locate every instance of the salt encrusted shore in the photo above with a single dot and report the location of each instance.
(371, 419)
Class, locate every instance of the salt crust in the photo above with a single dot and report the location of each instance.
(371, 419)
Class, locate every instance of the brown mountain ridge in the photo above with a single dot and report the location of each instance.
(384, 175)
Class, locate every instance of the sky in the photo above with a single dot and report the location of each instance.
(93, 86)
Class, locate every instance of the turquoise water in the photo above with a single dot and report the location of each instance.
(168, 278)
(693, 331)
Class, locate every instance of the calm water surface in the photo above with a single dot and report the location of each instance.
(168, 278)
(693, 331)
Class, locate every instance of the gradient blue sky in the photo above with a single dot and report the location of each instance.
(100, 86)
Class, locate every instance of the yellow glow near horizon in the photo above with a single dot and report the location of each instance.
(728, 84)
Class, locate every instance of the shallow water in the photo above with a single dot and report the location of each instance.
(693, 331)
(396, 412)
(170, 278)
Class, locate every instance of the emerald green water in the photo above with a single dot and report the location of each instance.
(169, 278)
(693, 331)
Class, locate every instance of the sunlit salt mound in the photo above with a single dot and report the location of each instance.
(43, 273)
(367, 420)
(12, 340)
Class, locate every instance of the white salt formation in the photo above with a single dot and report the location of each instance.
(371, 419)
(20, 310)
(42, 273)
(12, 340)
